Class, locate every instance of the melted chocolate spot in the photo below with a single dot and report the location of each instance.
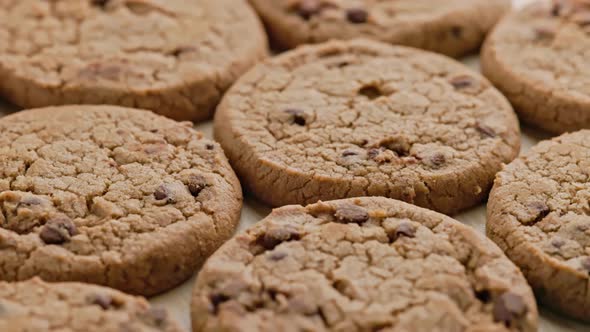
(462, 82)
(216, 300)
(348, 153)
(371, 92)
(350, 213)
(438, 160)
(508, 307)
(483, 295)
(161, 193)
(357, 15)
(277, 235)
(277, 256)
(485, 131)
(58, 230)
(540, 211)
(196, 184)
(298, 116)
(100, 3)
(209, 146)
(405, 229)
(307, 8)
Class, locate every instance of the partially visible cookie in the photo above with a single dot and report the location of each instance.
(174, 57)
(538, 213)
(112, 196)
(362, 118)
(38, 306)
(538, 57)
(452, 27)
(364, 264)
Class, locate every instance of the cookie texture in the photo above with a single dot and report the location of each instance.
(538, 57)
(112, 196)
(362, 118)
(361, 264)
(38, 306)
(174, 57)
(538, 214)
(452, 27)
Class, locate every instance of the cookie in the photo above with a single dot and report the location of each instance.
(538, 214)
(538, 57)
(174, 57)
(452, 27)
(38, 306)
(111, 196)
(361, 264)
(361, 118)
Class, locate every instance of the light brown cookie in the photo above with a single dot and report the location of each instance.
(38, 306)
(174, 57)
(362, 118)
(362, 264)
(452, 27)
(112, 196)
(538, 57)
(538, 214)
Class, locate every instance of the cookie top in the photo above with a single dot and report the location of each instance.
(538, 57)
(112, 196)
(361, 118)
(538, 213)
(361, 264)
(174, 57)
(35, 305)
(452, 27)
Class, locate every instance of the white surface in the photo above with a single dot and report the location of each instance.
(178, 300)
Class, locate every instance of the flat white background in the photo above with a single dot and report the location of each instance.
(177, 301)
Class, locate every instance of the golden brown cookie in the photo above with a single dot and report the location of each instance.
(112, 196)
(174, 57)
(364, 264)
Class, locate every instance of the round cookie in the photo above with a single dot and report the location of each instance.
(174, 57)
(538, 214)
(361, 264)
(452, 27)
(111, 196)
(362, 118)
(34, 305)
(538, 57)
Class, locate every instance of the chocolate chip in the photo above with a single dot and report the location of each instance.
(557, 243)
(540, 210)
(161, 193)
(405, 229)
(277, 256)
(307, 8)
(298, 116)
(350, 213)
(438, 159)
(277, 235)
(209, 146)
(586, 263)
(348, 153)
(357, 15)
(216, 300)
(483, 295)
(196, 184)
(462, 82)
(486, 131)
(371, 92)
(457, 31)
(100, 3)
(508, 307)
(102, 300)
(58, 230)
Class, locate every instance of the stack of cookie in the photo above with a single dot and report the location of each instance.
(358, 132)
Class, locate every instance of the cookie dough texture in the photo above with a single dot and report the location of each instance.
(112, 196)
(361, 264)
(174, 57)
(538, 214)
(538, 57)
(73, 307)
(362, 118)
(452, 27)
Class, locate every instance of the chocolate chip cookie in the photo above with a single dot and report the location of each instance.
(112, 196)
(174, 57)
(538, 57)
(538, 213)
(452, 27)
(38, 306)
(361, 264)
(361, 118)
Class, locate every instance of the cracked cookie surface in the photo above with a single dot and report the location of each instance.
(112, 196)
(174, 57)
(361, 264)
(361, 118)
(538, 57)
(38, 306)
(538, 213)
(452, 27)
